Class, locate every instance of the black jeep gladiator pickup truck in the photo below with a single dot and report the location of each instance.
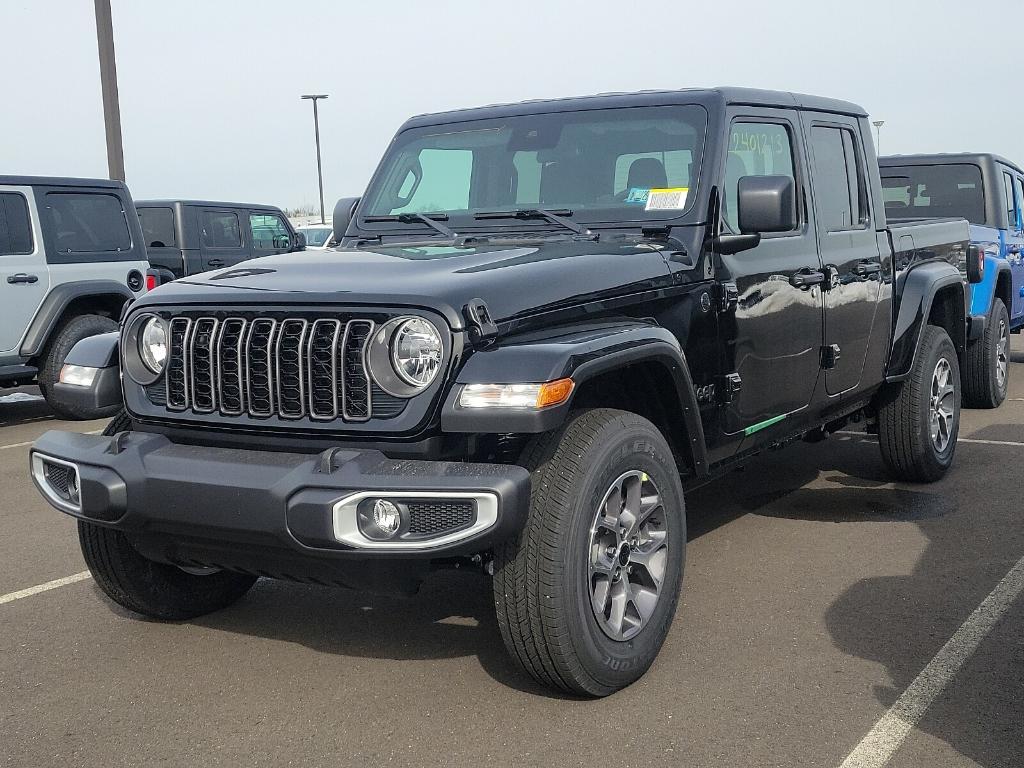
(545, 321)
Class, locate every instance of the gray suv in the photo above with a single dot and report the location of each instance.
(71, 255)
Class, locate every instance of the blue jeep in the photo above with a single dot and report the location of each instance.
(988, 191)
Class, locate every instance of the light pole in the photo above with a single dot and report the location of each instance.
(878, 135)
(108, 89)
(319, 168)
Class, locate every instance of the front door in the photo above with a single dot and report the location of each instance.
(24, 276)
(773, 339)
(847, 244)
(1014, 249)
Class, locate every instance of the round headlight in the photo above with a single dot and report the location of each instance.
(153, 344)
(416, 352)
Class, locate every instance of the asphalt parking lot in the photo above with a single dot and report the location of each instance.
(816, 593)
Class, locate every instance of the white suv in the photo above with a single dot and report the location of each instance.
(71, 255)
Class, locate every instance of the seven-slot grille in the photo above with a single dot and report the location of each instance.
(285, 367)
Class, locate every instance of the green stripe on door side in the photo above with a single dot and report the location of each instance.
(763, 424)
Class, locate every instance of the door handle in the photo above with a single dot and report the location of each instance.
(216, 263)
(21, 277)
(806, 277)
(865, 268)
(1014, 249)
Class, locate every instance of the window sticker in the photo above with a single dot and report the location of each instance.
(637, 195)
(671, 199)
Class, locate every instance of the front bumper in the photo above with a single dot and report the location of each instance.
(265, 511)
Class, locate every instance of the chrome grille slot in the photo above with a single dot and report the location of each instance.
(356, 400)
(323, 364)
(230, 362)
(271, 364)
(201, 357)
(259, 367)
(177, 364)
(291, 369)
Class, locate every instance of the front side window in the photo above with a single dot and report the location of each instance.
(951, 190)
(15, 224)
(1011, 201)
(84, 222)
(157, 227)
(755, 149)
(838, 189)
(603, 165)
(221, 230)
(269, 232)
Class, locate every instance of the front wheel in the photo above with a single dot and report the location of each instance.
(585, 596)
(919, 418)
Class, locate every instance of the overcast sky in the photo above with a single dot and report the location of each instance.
(210, 89)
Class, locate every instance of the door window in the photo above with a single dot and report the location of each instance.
(85, 222)
(1018, 184)
(1012, 206)
(15, 225)
(838, 182)
(221, 230)
(755, 149)
(269, 232)
(157, 227)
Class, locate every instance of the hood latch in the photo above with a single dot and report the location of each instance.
(479, 323)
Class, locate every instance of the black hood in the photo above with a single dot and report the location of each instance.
(514, 281)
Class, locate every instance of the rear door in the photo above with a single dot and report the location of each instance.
(847, 243)
(220, 237)
(24, 274)
(160, 235)
(270, 233)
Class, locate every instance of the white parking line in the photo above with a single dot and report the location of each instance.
(885, 738)
(29, 442)
(10, 597)
(977, 441)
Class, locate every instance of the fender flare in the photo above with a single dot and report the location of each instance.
(916, 290)
(983, 294)
(582, 353)
(50, 311)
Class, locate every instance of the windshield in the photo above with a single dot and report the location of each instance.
(609, 165)
(934, 191)
(316, 236)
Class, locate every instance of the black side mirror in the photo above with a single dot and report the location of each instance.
(766, 204)
(344, 212)
(298, 242)
(975, 264)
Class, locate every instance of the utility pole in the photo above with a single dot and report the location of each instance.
(319, 166)
(878, 135)
(108, 87)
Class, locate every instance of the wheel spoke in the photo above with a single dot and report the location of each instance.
(645, 600)
(654, 561)
(599, 596)
(617, 615)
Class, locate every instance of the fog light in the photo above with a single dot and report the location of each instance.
(380, 519)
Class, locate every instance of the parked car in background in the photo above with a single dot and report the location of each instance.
(71, 256)
(184, 237)
(318, 236)
(545, 322)
(988, 191)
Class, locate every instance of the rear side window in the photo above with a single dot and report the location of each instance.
(221, 230)
(157, 227)
(1012, 205)
(15, 225)
(934, 191)
(87, 222)
(838, 185)
(269, 232)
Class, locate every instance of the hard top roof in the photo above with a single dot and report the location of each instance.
(721, 95)
(204, 203)
(58, 181)
(946, 158)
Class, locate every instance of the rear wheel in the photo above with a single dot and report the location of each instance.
(60, 344)
(585, 596)
(988, 362)
(919, 418)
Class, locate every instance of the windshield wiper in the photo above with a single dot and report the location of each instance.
(430, 219)
(556, 217)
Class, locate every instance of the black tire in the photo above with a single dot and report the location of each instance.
(987, 374)
(542, 580)
(57, 349)
(153, 589)
(905, 414)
